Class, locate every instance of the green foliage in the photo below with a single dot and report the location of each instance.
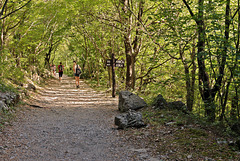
(88, 31)
(4, 87)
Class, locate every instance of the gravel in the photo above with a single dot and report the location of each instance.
(61, 122)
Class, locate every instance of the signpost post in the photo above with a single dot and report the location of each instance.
(114, 63)
(113, 76)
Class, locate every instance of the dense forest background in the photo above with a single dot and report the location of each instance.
(185, 50)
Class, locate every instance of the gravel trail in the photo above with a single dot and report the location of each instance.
(62, 122)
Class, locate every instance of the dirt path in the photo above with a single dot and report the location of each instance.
(72, 124)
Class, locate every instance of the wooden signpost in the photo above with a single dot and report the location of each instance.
(114, 63)
(108, 62)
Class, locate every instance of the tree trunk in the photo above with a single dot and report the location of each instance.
(87, 58)
(48, 57)
(190, 77)
(113, 76)
(130, 60)
(204, 84)
(192, 91)
(109, 77)
(132, 47)
(190, 87)
(98, 82)
(2, 39)
(127, 43)
(128, 64)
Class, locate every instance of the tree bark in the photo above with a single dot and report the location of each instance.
(129, 61)
(48, 57)
(190, 77)
(113, 76)
(132, 47)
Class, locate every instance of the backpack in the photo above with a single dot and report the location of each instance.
(61, 68)
(78, 71)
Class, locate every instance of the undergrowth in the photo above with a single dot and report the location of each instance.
(189, 136)
(6, 116)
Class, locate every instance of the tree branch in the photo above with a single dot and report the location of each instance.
(1, 13)
(12, 11)
(189, 9)
(236, 13)
(151, 68)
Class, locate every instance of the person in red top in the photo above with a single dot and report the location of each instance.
(60, 71)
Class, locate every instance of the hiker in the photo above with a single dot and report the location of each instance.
(60, 71)
(77, 72)
(54, 69)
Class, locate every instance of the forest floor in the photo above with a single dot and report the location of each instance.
(62, 122)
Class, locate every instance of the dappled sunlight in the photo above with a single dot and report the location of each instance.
(65, 95)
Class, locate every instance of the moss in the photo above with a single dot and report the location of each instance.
(197, 133)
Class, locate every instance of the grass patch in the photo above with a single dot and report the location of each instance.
(7, 87)
(99, 88)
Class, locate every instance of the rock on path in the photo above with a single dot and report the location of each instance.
(68, 124)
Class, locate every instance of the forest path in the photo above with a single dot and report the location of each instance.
(72, 124)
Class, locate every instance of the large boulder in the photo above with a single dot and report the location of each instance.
(177, 105)
(160, 102)
(129, 119)
(128, 100)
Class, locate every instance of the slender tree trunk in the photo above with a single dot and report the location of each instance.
(141, 79)
(190, 77)
(2, 38)
(132, 48)
(127, 44)
(113, 76)
(204, 83)
(235, 100)
(189, 87)
(238, 54)
(98, 82)
(87, 58)
(48, 57)
(109, 77)
(192, 91)
(223, 61)
(128, 64)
